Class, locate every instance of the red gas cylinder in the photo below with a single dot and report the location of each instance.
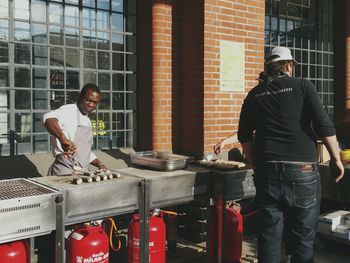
(233, 236)
(156, 239)
(88, 244)
(15, 252)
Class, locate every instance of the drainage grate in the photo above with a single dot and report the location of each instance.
(16, 188)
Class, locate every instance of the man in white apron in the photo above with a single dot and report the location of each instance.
(71, 132)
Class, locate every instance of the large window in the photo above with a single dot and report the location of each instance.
(306, 27)
(48, 51)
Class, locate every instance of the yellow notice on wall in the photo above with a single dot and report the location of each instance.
(232, 67)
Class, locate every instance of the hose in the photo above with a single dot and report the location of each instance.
(113, 232)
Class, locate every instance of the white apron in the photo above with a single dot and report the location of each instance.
(83, 140)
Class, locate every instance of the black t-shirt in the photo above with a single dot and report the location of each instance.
(285, 113)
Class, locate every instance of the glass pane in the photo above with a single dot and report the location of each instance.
(89, 77)
(4, 129)
(118, 101)
(56, 35)
(22, 99)
(40, 99)
(103, 4)
(72, 37)
(89, 39)
(131, 44)
(38, 9)
(56, 79)
(56, 56)
(118, 81)
(39, 34)
(89, 18)
(4, 103)
(117, 5)
(55, 13)
(22, 31)
(131, 102)
(74, 2)
(56, 99)
(89, 59)
(21, 9)
(118, 61)
(72, 58)
(22, 54)
(102, 20)
(4, 9)
(89, 3)
(4, 30)
(72, 81)
(23, 144)
(40, 142)
(39, 78)
(118, 139)
(4, 77)
(131, 24)
(4, 52)
(118, 121)
(23, 123)
(39, 55)
(131, 82)
(22, 78)
(117, 42)
(117, 22)
(105, 102)
(71, 15)
(104, 81)
(103, 40)
(131, 62)
(72, 96)
(104, 118)
(103, 60)
(102, 125)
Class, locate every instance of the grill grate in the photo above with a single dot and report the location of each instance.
(16, 188)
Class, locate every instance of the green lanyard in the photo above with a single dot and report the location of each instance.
(270, 79)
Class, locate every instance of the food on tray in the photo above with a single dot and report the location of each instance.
(223, 164)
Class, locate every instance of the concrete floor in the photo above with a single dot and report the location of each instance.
(326, 251)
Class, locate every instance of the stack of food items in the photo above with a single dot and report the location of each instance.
(79, 175)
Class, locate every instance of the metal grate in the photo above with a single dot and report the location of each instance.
(16, 188)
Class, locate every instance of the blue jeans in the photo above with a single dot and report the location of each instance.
(288, 197)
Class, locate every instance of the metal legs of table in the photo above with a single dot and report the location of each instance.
(144, 208)
(60, 228)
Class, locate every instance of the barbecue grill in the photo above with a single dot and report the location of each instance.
(27, 209)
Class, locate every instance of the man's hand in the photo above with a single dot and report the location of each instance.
(217, 148)
(69, 148)
(336, 169)
(100, 165)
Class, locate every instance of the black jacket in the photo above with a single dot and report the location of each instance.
(285, 113)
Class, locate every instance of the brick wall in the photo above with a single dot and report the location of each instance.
(181, 107)
(239, 21)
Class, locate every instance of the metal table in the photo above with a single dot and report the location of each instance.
(96, 200)
(229, 185)
(169, 188)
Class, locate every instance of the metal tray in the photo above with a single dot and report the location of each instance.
(162, 161)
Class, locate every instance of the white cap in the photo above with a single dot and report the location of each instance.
(278, 54)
